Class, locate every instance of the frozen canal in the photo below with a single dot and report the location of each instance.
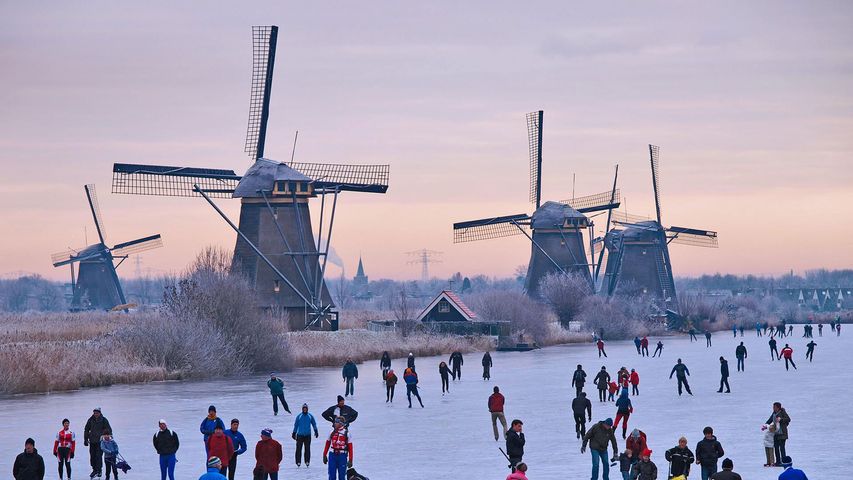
(452, 436)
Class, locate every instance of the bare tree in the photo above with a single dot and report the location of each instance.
(565, 294)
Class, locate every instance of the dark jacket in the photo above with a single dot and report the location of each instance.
(625, 462)
(680, 460)
(623, 404)
(784, 420)
(346, 411)
(28, 466)
(644, 471)
(349, 370)
(602, 379)
(579, 378)
(166, 442)
(514, 444)
(725, 475)
(456, 358)
(680, 370)
(487, 360)
(385, 361)
(581, 404)
(444, 370)
(276, 386)
(740, 351)
(95, 428)
(598, 436)
(709, 451)
(410, 362)
(724, 368)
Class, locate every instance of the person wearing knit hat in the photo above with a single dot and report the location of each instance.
(239, 443)
(302, 426)
(28, 464)
(598, 437)
(341, 409)
(268, 456)
(213, 466)
(791, 473)
(276, 386)
(166, 444)
(645, 469)
(96, 425)
(209, 424)
(726, 473)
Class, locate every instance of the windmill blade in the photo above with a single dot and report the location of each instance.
(654, 158)
(692, 236)
(597, 245)
(346, 177)
(172, 181)
(620, 216)
(137, 246)
(488, 228)
(593, 203)
(264, 41)
(92, 197)
(534, 143)
(64, 257)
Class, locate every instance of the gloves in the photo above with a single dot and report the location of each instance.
(293, 436)
(583, 449)
(55, 454)
(85, 443)
(325, 460)
(316, 435)
(349, 463)
(72, 454)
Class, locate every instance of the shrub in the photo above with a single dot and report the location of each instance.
(565, 294)
(525, 315)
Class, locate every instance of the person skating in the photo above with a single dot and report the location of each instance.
(239, 443)
(623, 377)
(390, 386)
(623, 411)
(727, 472)
(637, 344)
(456, 362)
(338, 452)
(634, 378)
(302, 434)
(110, 449)
(692, 333)
(838, 330)
(612, 388)
(340, 409)
(64, 446)
(781, 419)
(788, 354)
(213, 466)
(444, 373)
(580, 405)
(95, 427)
(600, 345)
(349, 373)
(791, 473)
(578, 380)
(209, 424)
(741, 354)
(487, 366)
(166, 445)
(626, 461)
(644, 346)
(385, 364)
(645, 469)
(353, 475)
(708, 338)
(496, 410)
(680, 458)
(276, 386)
(708, 452)
(774, 353)
(520, 472)
(810, 350)
(790, 330)
(411, 379)
(268, 456)
(658, 350)
(769, 443)
(757, 329)
(820, 329)
(681, 373)
(29, 465)
(515, 443)
(724, 376)
(602, 381)
(734, 331)
(220, 445)
(597, 438)
(410, 361)
(636, 443)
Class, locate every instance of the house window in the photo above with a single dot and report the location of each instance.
(276, 288)
(443, 307)
(291, 187)
(303, 187)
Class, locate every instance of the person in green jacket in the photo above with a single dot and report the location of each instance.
(276, 387)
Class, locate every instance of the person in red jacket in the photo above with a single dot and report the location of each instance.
(600, 345)
(635, 382)
(636, 442)
(340, 444)
(267, 456)
(63, 447)
(220, 445)
(496, 408)
(613, 387)
(644, 346)
(787, 353)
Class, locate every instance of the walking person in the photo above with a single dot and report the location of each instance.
(681, 373)
(645, 469)
(741, 354)
(597, 438)
(810, 350)
(578, 380)
(302, 434)
(634, 378)
(220, 445)
(340, 409)
(95, 427)
(515, 443)
(707, 338)
(644, 346)
(444, 373)
(788, 354)
(166, 445)
(338, 451)
(64, 446)
(623, 410)
(727, 472)
(580, 405)
(600, 345)
(267, 456)
(734, 331)
(724, 376)
(456, 362)
(239, 443)
(385, 364)
(390, 386)
(487, 366)
(602, 381)
(29, 465)
(209, 425)
(276, 386)
(780, 418)
(774, 353)
(349, 373)
(680, 459)
(411, 379)
(626, 461)
(410, 361)
(708, 452)
(110, 449)
(658, 350)
(496, 409)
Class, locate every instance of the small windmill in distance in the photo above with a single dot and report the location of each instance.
(424, 257)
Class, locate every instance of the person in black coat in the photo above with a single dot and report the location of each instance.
(601, 381)
(578, 380)
(166, 444)
(410, 362)
(724, 376)
(741, 354)
(28, 464)
(487, 366)
(581, 405)
(385, 364)
(515, 443)
(680, 458)
(95, 428)
(708, 452)
(456, 365)
(681, 373)
(341, 409)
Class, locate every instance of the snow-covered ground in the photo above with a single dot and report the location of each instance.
(452, 436)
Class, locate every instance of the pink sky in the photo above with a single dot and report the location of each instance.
(752, 105)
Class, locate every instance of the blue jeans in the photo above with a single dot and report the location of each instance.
(167, 465)
(605, 464)
(626, 475)
(708, 470)
(350, 386)
(338, 463)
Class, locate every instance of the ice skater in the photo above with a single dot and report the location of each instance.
(681, 373)
(487, 366)
(411, 379)
(708, 338)
(597, 438)
(64, 446)
(658, 350)
(637, 344)
(602, 381)
(788, 354)
(740, 354)
(810, 350)
(600, 345)
(496, 410)
(724, 376)
(623, 411)
(444, 373)
(580, 405)
(578, 380)
(644, 346)
(385, 364)
(456, 362)
(390, 386)
(774, 353)
(635, 382)
(692, 333)
(276, 387)
(820, 329)
(515, 443)
(349, 373)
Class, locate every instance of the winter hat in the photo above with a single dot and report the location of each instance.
(340, 398)
(30, 441)
(786, 461)
(609, 422)
(635, 433)
(304, 405)
(267, 432)
(212, 462)
(96, 409)
(163, 422)
(211, 408)
(272, 374)
(728, 464)
(647, 453)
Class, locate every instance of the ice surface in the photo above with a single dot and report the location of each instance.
(452, 436)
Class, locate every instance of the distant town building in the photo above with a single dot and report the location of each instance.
(360, 282)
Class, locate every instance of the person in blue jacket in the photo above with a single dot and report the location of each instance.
(791, 473)
(276, 387)
(209, 424)
(239, 442)
(213, 466)
(302, 434)
(350, 373)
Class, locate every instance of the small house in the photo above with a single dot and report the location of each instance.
(447, 313)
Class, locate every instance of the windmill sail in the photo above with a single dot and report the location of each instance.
(169, 181)
(264, 41)
(692, 236)
(593, 203)
(534, 140)
(359, 178)
(654, 157)
(92, 197)
(488, 228)
(137, 246)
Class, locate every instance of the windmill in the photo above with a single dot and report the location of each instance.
(555, 229)
(638, 253)
(96, 284)
(276, 248)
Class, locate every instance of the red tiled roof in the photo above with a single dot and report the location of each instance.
(460, 304)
